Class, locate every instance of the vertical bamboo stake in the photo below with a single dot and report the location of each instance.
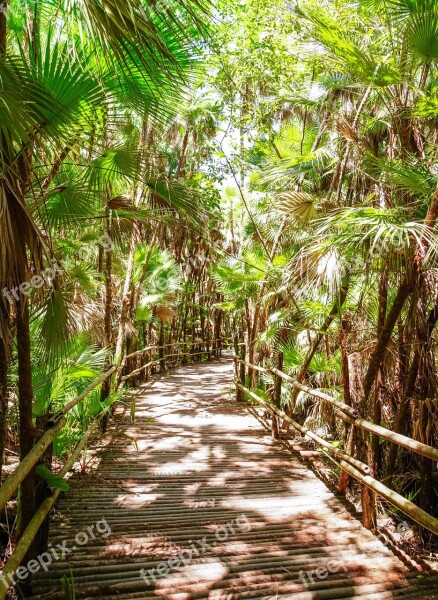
(242, 373)
(276, 396)
(368, 498)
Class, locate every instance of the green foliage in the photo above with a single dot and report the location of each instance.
(53, 480)
(68, 587)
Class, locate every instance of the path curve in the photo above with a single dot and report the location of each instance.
(194, 500)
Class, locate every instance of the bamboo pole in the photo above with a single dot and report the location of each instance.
(26, 465)
(139, 352)
(13, 481)
(67, 408)
(316, 394)
(408, 508)
(308, 433)
(396, 438)
(137, 371)
(349, 415)
(254, 367)
(305, 388)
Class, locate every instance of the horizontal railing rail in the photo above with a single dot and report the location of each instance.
(345, 462)
(157, 361)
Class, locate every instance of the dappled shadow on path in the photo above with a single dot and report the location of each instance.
(198, 480)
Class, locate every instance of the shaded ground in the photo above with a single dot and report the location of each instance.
(196, 479)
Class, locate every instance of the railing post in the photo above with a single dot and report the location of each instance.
(360, 441)
(207, 344)
(241, 374)
(276, 397)
(236, 356)
(192, 348)
(162, 361)
(147, 371)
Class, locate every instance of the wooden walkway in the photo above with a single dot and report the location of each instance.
(194, 500)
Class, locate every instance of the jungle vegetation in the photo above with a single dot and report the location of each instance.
(179, 170)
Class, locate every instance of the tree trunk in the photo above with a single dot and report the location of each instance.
(126, 299)
(108, 341)
(368, 499)
(376, 409)
(183, 155)
(408, 390)
(26, 508)
(303, 371)
(161, 349)
(3, 30)
(344, 477)
(43, 488)
(4, 363)
(353, 370)
(403, 292)
(345, 369)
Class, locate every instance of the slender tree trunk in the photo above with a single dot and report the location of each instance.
(126, 299)
(254, 329)
(368, 499)
(3, 29)
(183, 155)
(303, 371)
(4, 363)
(403, 292)
(427, 389)
(26, 425)
(376, 408)
(161, 349)
(108, 341)
(401, 417)
(354, 398)
(345, 370)
(108, 290)
(55, 169)
(348, 439)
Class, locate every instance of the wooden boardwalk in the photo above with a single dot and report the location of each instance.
(194, 500)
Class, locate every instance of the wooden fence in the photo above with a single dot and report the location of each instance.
(345, 462)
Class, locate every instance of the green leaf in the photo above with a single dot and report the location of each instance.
(55, 481)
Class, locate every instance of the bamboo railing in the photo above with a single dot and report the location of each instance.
(341, 459)
(56, 424)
